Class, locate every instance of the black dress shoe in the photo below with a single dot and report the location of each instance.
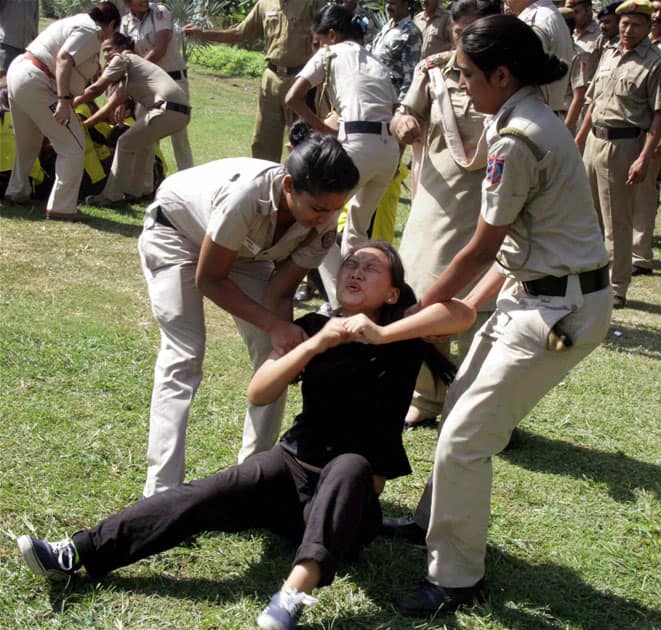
(404, 528)
(428, 598)
(641, 271)
(424, 422)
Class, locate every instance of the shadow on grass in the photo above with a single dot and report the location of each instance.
(641, 339)
(37, 212)
(621, 473)
(521, 595)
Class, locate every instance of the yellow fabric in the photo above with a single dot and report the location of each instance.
(8, 150)
(386, 212)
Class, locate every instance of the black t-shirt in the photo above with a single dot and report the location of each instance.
(355, 398)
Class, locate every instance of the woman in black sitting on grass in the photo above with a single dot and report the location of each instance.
(320, 485)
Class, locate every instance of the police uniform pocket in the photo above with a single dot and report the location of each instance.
(273, 24)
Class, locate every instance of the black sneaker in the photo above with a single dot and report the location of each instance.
(55, 560)
(284, 609)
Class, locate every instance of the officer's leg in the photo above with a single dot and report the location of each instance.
(270, 123)
(644, 218)
(262, 423)
(180, 144)
(481, 420)
(177, 306)
(618, 211)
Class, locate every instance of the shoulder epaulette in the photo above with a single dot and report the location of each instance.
(437, 60)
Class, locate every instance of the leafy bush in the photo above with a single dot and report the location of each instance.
(62, 8)
(228, 60)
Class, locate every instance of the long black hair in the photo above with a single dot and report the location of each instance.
(439, 365)
(504, 40)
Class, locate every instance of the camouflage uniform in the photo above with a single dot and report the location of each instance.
(398, 46)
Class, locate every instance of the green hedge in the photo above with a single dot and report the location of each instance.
(228, 60)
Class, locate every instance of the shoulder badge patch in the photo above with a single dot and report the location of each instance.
(495, 167)
(328, 239)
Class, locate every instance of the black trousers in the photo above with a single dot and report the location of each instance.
(330, 516)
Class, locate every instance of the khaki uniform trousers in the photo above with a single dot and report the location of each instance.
(644, 220)
(133, 151)
(508, 369)
(607, 164)
(169, 261)
(31, 93)
(180, 146)
(376, 158)
(272, 116)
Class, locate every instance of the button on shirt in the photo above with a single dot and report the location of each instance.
(554, 229)
(398, 47)
(552, 30)
(436, 32)
(625, 89)
(285, 26)
(77, 35)
(143, 80)
(359, 85)
(143, 32)
(235, 201)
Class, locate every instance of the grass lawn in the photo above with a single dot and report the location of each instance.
(575, 529)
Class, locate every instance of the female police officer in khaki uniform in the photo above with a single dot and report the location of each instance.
(359, 89)
(42, 84)
(538, 221)
(165, 111)
(242, 232)
(438, 112)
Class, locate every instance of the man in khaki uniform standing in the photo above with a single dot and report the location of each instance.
(550, 27)
(622, 130)
(435, 24)
(585, 35)
(285, 27)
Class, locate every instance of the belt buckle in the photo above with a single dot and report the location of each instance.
(601, 133)
(281, 71)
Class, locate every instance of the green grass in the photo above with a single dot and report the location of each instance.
(574, 536)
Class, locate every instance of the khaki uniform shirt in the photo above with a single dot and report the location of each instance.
(285, 26)
(586, 48)
(77, 35)
(548, 203)
(19, 21)
(143, 80)
(143, 32)
(359, 85)
(235, 201)
(625, 91)
(436, 33)
(552, 30)
(446, 205)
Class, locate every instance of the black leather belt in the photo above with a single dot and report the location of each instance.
(178, 75)
(162, 219)
(284, 71)
(175, 107)
(590, 281)
(365, 126)
(615, 133)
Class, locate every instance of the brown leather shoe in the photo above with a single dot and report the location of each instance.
(72, 217)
